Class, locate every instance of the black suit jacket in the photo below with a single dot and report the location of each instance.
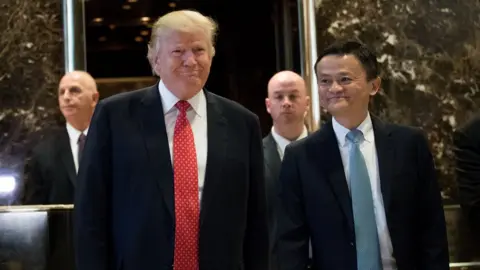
(467, 155)
(272, 164)
(316, 202)
(124, 207)
(50, 176)
(50, 179)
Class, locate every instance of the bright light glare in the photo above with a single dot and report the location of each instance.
(7, 184)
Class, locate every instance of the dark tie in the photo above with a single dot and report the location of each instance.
(187, 208)
(366, 235)
(81, 144)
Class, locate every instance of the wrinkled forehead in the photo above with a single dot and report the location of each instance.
(333, 65)
(72, 81)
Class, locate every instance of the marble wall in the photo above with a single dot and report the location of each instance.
(430, 57)
(31, 55)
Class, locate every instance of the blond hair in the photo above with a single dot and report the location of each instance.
(181, 20)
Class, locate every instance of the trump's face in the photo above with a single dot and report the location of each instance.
(183, 62)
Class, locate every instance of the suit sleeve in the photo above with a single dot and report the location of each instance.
(467, 157)
(35, 188)
(92, 216)
(256, 247)
(433, 233)
(293, 235)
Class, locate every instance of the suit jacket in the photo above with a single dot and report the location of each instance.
(272, 163)
(124, 207)
(316, 202)
(50, 175)
(51, 179)
(467, 156)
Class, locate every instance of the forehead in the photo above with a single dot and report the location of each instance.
(335, 64)
(71, 81)
(286, 86)
(178, 37)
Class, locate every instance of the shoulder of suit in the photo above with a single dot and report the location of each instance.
(230, 105)
(472, 126)
(48, 139)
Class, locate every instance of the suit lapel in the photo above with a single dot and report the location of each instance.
(330, 161)
(152, 125)
(216, 151)
(65, 153)
(272, 159)
(385, 157)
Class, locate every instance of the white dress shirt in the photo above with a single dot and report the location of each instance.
(197, 116)
(369, 151)
(282, 142)
(74, 134)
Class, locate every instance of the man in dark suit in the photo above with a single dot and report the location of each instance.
(52, 168)
(288, 104)
(467, 155)
(172, 175)
(364, 191)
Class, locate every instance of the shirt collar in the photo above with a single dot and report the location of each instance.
(365, 127)
(74, 133)
(283, 142)
(197, 102)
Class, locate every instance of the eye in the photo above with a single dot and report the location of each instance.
(324, 81)
(345, 80)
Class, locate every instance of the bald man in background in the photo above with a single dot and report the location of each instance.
(288, 104)
(52, 169)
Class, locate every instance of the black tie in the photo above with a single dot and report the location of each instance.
(81, 144)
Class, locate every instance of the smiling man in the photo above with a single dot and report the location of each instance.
(52, 169)
(173, 175)
(364, 191)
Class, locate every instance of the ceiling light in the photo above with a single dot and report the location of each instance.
(126, 7)
(132, 1)
(102, 39)
(98, 20)
(144, 33)
(172, 4)
(145, 19)
(138, 39)
(112, 26)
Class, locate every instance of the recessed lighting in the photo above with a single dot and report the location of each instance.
(138, 39)
(102, 39)
(98, 20)
(127, 7)
(144, 33)
(145, 19)
(132, 1)
(172, 4)
(112, 26)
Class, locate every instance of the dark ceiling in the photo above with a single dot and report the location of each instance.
(117, 31)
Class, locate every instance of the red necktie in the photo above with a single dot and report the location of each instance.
(187, 208)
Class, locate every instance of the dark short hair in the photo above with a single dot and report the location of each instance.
(366, 57)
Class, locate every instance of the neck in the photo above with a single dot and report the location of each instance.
(290, 132)
(79, 124)
(351, 121)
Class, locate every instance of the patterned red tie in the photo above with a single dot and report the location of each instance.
(187, 208)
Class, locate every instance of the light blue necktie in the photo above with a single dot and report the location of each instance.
(366, 236)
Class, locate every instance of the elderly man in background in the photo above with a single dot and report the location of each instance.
(172, 174)
(52, 169)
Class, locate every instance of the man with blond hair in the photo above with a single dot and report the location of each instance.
(52, 168)
(172, 175)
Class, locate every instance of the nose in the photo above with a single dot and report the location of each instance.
(335, 87)
(189, 59)
(286, 102)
